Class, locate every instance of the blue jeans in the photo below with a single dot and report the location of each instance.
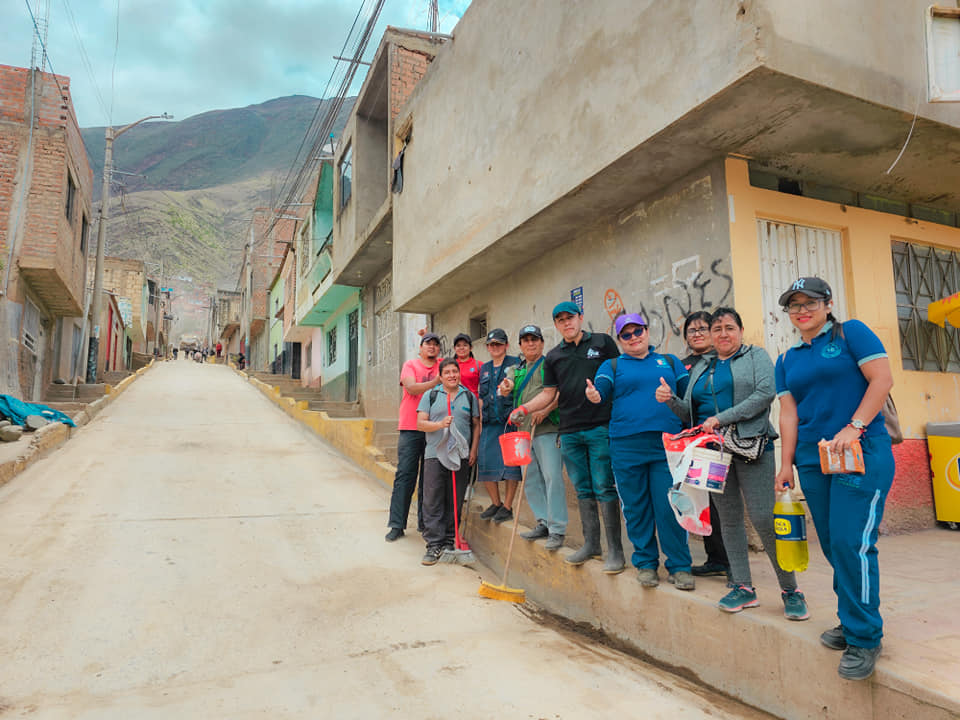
(586, 455)
(544, 484)
(847, 510)
(410, 448)
(643, 479)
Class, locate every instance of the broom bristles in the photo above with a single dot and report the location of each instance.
(502, 592)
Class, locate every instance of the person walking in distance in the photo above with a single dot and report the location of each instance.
(416, 377)
(584, 437)
(637, 425)
(544, 484)
(832, 385)
(696, 331)
(495, 410)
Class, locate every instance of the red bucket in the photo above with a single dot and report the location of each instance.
(515, 447)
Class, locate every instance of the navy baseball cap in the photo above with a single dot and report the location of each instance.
(497, 335)
(427, 337)
(531, 330)
(567, 306)
(466, 338)
(810, 286)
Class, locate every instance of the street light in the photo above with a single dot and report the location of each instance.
(111, 135)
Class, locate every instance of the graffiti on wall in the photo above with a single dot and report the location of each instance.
(690, 286)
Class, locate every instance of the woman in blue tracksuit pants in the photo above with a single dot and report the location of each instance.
(832, 385)
(640, 469)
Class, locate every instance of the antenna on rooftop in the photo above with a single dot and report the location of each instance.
(434, 16)
(38, 52)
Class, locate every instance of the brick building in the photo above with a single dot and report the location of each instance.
(45, 213)
(127, 279)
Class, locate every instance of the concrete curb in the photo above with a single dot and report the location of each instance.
(767, 662)
(50, 437)
(351, 436)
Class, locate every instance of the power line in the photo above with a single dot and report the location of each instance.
(85, 60)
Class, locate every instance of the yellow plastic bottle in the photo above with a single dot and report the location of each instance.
(790, 526)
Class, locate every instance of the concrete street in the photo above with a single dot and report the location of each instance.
(195, 553)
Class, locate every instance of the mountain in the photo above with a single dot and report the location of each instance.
(202, 178)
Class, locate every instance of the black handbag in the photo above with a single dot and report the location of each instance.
(748, 449)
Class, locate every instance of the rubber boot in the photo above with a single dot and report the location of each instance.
(591, 533)
(610, 511)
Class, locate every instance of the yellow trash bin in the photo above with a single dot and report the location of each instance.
(944, 442)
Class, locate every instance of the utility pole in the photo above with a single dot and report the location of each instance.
(248, 315)
(157, 313)
(97, 311)
(434, 16)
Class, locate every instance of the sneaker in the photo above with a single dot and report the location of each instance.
(857, 663)
(834, 638)
(794, 605)
(739, 598)
(554, 542)
(432, 556)
(540, 531)
(683, 580)
(503, 514)
(490, 511)
(394, 534)
(709, 569)
(648, 577)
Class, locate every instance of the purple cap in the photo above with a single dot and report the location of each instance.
(628, 319)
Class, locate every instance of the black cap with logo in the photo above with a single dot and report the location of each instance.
(531, 330)
(810, 286)
(497, 335)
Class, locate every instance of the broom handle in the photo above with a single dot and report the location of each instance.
(516, 515)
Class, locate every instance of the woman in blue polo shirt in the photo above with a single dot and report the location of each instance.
(832, 385)
(637, 424)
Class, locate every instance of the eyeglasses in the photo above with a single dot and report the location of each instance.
(698, 331)
(797, 308)
(635, 334)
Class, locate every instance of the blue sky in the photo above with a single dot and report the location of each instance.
(188, 56)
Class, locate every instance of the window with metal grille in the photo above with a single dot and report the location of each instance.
(332, 346)
(923, 275)
(31, 326)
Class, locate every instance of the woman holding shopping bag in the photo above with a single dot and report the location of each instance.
(734, 388)
(832, 385)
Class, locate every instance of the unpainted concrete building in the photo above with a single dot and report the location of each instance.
(666, 158)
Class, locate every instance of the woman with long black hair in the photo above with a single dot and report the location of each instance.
(832, 385)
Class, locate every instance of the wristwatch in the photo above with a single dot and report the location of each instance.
(858, 425)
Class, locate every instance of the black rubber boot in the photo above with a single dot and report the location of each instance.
(610, 511)
(591, 533)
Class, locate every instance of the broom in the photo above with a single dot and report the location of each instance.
(501, 591)
(461, 553)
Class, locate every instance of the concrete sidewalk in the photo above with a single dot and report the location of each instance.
(757, 655)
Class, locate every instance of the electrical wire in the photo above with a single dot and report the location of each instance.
(85, 60)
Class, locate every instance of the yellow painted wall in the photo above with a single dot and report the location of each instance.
(921, 397)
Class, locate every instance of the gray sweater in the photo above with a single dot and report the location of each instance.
(754, 389)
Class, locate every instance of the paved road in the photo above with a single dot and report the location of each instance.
(194, 553)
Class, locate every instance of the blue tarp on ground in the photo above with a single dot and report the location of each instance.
(16, 411)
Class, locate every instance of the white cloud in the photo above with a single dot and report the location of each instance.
(189, 56)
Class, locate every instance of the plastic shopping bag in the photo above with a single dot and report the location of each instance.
(693, 477)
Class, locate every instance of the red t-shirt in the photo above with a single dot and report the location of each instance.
(470, 374)
(408, 403)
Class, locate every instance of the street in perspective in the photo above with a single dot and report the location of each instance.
(532, 360)
(194, 553)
